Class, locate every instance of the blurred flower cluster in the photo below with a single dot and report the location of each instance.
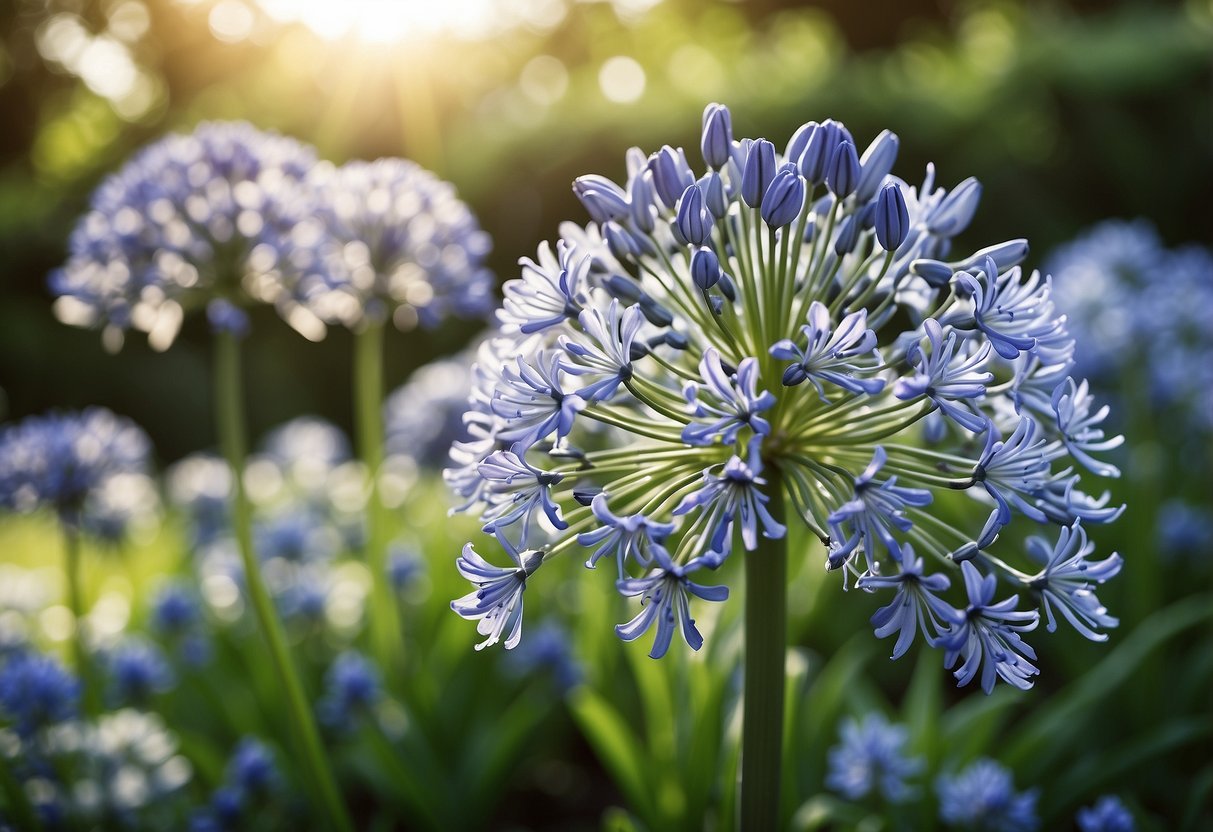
(787, 325)
(230, 214)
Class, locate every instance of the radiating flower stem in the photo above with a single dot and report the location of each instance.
(368, 410)
(766, 613)
(75, 602)
(229, 412)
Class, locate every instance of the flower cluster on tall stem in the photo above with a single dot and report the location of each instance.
(785, 326)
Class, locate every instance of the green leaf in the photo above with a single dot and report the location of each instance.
(617, 747)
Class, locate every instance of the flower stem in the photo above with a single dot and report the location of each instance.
(386, 642)
(229, 412)
(75, 602)
(766, 613)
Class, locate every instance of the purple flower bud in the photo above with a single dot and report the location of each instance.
(843, 173)
(957, 209)
(784, 199)
(656, 314)
(642, 196)
(713, 194)
(705, 268)
(758, 173)
(798, 142)
(892, 218)
(717, 137)
(819, 152)
(671, 174)
(934, 272)
(602, 198)
(693, 224)
(623, 288)
(1005, 255)
(847, 236)
(620, 241)
(876, 163)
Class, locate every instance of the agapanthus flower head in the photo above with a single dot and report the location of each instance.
(36, 692)
(393, 239)
(778, 339)
(982, 798)
(423, 417)
(65, 462)
(872, 759)
(1107, 815)
(192, 219)
(351, 687)
(137, 671)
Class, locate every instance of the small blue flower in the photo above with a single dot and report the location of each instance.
(665, 597)
(693, 224)
(784, 199)
(602, 198)
(876, 506)
(1068, 581)
(1080, 429)
(351, 687)
(1008, 468)
(872, 759)
(914, 606)
(534, 402)
(950, 376)
(296, 534)
(404, 567)
(175, 610)
(137, 672)
(1107, 815)
(36, 692)
(1184, 529)
(1062, 502)
(831, 353)
(982, 798)
(517, 490)
(224, 316)
(1013, 315)
(842, 173)
(634, 536)
(733, 495)
(549, 292)
(497, 600)
(251, 769)
(423, 417)
(876, 163)
(987, 639)
(547, 648)
(758, 172)
(733, 404)
(609, 353)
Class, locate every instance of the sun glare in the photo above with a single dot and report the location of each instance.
(388, 21)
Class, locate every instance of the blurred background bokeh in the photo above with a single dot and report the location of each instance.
(1067, 112)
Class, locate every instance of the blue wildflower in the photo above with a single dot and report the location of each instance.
(351, 687)
(137, 672)
(732, 404)
(665, 597)
(609, 353)
(872, 759)
(534, 402)
(915, 606)
(949, 377)
(831, 353)
(405, 567)
(1067, 581)
(733, 496)
(634, 536)
(424, 416)
(1013, 315)
(36, 692)
(892, 218)
(497, 600)
(549, 292)
(987, 638)
(1080, 429)
(517, 491)
(548, 649)
(983, 798)
(1107, 815)
(1008, 469)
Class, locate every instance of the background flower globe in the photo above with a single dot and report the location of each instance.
(193, 219)
(786, 338)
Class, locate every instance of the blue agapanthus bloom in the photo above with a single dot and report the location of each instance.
(250, 778)
(393, 239)
(872, 759)
(64, 462)
(36, 691)
(424, 416)
(779, 328)
(982, 798)
(351, 687)
(192, 219)
(137, 671)
(1107, 815)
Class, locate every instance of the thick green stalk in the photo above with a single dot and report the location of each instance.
(75, 602)
(368, 411)
(766, 615)
(229, 412)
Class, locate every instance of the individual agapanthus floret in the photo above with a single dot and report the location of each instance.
(1107, 815)
(35, 692)
(987, 638)
(731, 404)
(497, 600)
(137, 672)
(306, 444)
(753, 341)
(608, 355)
(1007, 469)
(865, 520)
(1067, 581)
(831, 353)
(732, 497)
(948, 376)
(549, 292)
(517, 491)
(664, 594)
(1080, 429)
(394, 238)
(533, 404)
(982, 798)
(59, 460)
(871, 759)
(633, 537)
(915, 606)
(191, 219)
(351, 687)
